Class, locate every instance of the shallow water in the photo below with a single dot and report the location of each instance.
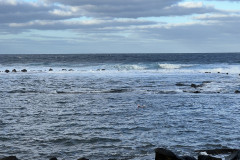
(93, 113)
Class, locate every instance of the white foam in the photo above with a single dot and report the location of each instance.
(173, 66)
(129, 67)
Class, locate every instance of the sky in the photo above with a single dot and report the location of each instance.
(119, 26)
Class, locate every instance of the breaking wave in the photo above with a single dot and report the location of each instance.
(173, 66)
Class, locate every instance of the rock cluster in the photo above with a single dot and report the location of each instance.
(165, 154)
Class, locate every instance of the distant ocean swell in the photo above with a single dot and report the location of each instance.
(156, 67)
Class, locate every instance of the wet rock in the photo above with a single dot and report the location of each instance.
(53, 158)
(70, 70)
(14, 70)
(234, 156)
(64, 69)
(196, 92)
(218, 72)
(188, 158)
(10, 158)
(83, 158)
(196, 86)
(218, 151)
(7, 71)
(207, 157)
(207, 72)
(24, 70)
(165, 154)
(237, 91)
(50, 69)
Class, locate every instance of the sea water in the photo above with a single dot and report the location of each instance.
(87, 106)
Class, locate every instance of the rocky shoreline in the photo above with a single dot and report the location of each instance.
(165, 154)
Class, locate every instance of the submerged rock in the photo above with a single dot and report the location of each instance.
(180, 84)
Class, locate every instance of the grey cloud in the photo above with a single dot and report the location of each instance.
(134, 8)
(24, 12)
(86, 26)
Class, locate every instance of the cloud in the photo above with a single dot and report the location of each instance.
(135, 8)
(116, 24)
(12, 11)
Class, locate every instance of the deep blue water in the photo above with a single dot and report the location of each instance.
(87, 106)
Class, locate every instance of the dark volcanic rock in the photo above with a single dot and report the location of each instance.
(10, 158)
(83, 158)
(53, 158)
(196, 92)
(50, 69)
(7, 71)
(24, 70)
(218, 151)
(14, 70)
(188, 158)
(165, 154)
(206, 157)
(235, 155)
(237, 91)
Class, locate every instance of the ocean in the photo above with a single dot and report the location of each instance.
(118, 106)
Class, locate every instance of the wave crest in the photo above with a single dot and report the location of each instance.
(173, 66)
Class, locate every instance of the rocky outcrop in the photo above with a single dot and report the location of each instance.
(10, 158)
(165, 154)
(207, 157)
(234, 156)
